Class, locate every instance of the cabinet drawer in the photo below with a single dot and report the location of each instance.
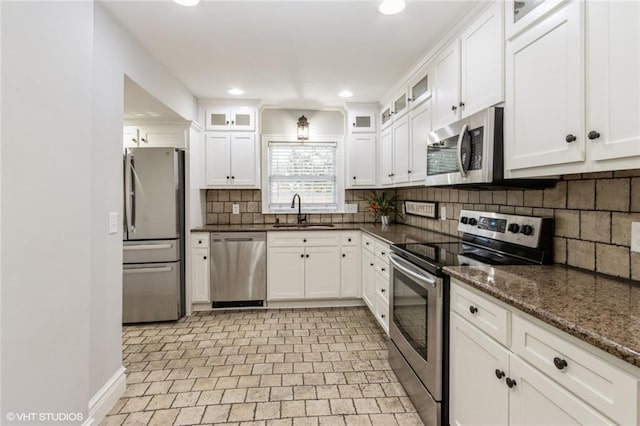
(368, 243)
(382, 267)
(382, 313)
(303, 239)
(382, 251)
(601, 385)
(350, 239)
(382, 286)
(484, 314)
(200, 239)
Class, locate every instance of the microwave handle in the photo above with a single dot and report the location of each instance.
(463, 132)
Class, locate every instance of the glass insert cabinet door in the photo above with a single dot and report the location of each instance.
(522, 8)
(362, 121)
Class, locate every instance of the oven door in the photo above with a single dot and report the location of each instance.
(415, 328)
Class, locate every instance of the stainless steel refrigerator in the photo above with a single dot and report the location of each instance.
(153, 270)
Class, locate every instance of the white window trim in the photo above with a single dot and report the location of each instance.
(338, 139)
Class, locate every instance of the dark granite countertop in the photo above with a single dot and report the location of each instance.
(599, 310)
(392, 234)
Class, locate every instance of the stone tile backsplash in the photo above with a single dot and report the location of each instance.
(593, 214)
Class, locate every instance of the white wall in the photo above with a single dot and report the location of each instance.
(61, 174)
(116, 54)
(283, 122)
(46, 210)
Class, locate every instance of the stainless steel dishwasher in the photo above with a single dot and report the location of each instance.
(238, 269)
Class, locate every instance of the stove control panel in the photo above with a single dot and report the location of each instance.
(522, 230)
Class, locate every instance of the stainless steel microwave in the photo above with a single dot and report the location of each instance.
(467, 152)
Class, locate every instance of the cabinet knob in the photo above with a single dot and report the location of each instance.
(354, 178)
(593, 135)
(233, 122)
(382, 269)
(453, 107)
(144, 140)
(499, 373)
(510, 382)
(383, 253)
(354, 124)
(462, 105)
(560, 363)
(204, 257)
(228, 177)
(344, 255)
(349, 239)
(382, 290)
(233, 177)
(302, 255)
(199, 241)
(371, 264)
(473, 309)
(367, 243)
(304, 241)
(227, 122)
(570, 138)
(307, 256)
(409, 171)
(383, 316)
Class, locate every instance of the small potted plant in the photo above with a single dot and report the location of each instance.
(382, 206)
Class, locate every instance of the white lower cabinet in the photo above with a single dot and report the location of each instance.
(542, 378)
(478, 395)
(375, 278)
(200, 268)
(312, 265)
(368, 278)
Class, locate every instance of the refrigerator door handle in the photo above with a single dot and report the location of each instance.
(125, 190)
(132, 194)
(147, 270)
(148, 246)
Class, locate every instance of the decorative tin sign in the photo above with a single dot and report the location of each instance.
(421, 208)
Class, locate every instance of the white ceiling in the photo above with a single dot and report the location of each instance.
(290, 53)
(140, 105)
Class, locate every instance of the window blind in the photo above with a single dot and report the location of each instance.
(307, 169)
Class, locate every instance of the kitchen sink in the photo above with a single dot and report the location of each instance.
(303, 225)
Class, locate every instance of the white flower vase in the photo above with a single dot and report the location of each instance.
(385, 220)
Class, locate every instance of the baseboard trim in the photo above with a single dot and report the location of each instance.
(102, 402)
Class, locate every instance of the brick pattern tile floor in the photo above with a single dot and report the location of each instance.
(262, 367)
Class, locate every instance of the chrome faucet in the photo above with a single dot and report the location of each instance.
(301, 217)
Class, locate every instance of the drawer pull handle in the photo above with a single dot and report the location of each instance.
(473, 309)
(371, 264)
(382, 253)
(382, 269)
(382, 290)
(499, 373)
(307, 256)
(560, 363)
(366, 244)
(383, 316)
(510, 382)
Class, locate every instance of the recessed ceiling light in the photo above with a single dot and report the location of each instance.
(235, 91)
(391, 7)
(187, 3)
(345, 94)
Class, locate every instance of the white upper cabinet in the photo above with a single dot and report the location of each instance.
(225, 118)
(469, 73)
(544, 108)
(386, 157)
(361, 165)
(521, 14)
(130, 136)
(482, 62)
(446, 92)
(362, 121)
(419, 128)
(400, 104)
(401, 152)
(419, 88)
(231, 160)
(613, 85)
(386, 116)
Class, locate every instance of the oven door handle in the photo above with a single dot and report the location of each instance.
(461, 168)
(402, 267)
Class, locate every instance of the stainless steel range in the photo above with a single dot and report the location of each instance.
(419, 300)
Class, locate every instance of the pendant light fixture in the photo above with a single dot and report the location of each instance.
(391, 7)
(303, 128)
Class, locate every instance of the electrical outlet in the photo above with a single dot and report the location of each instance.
(443, 212)
(635, 236)
(351, 208)
(113, 223)
(236, 209)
